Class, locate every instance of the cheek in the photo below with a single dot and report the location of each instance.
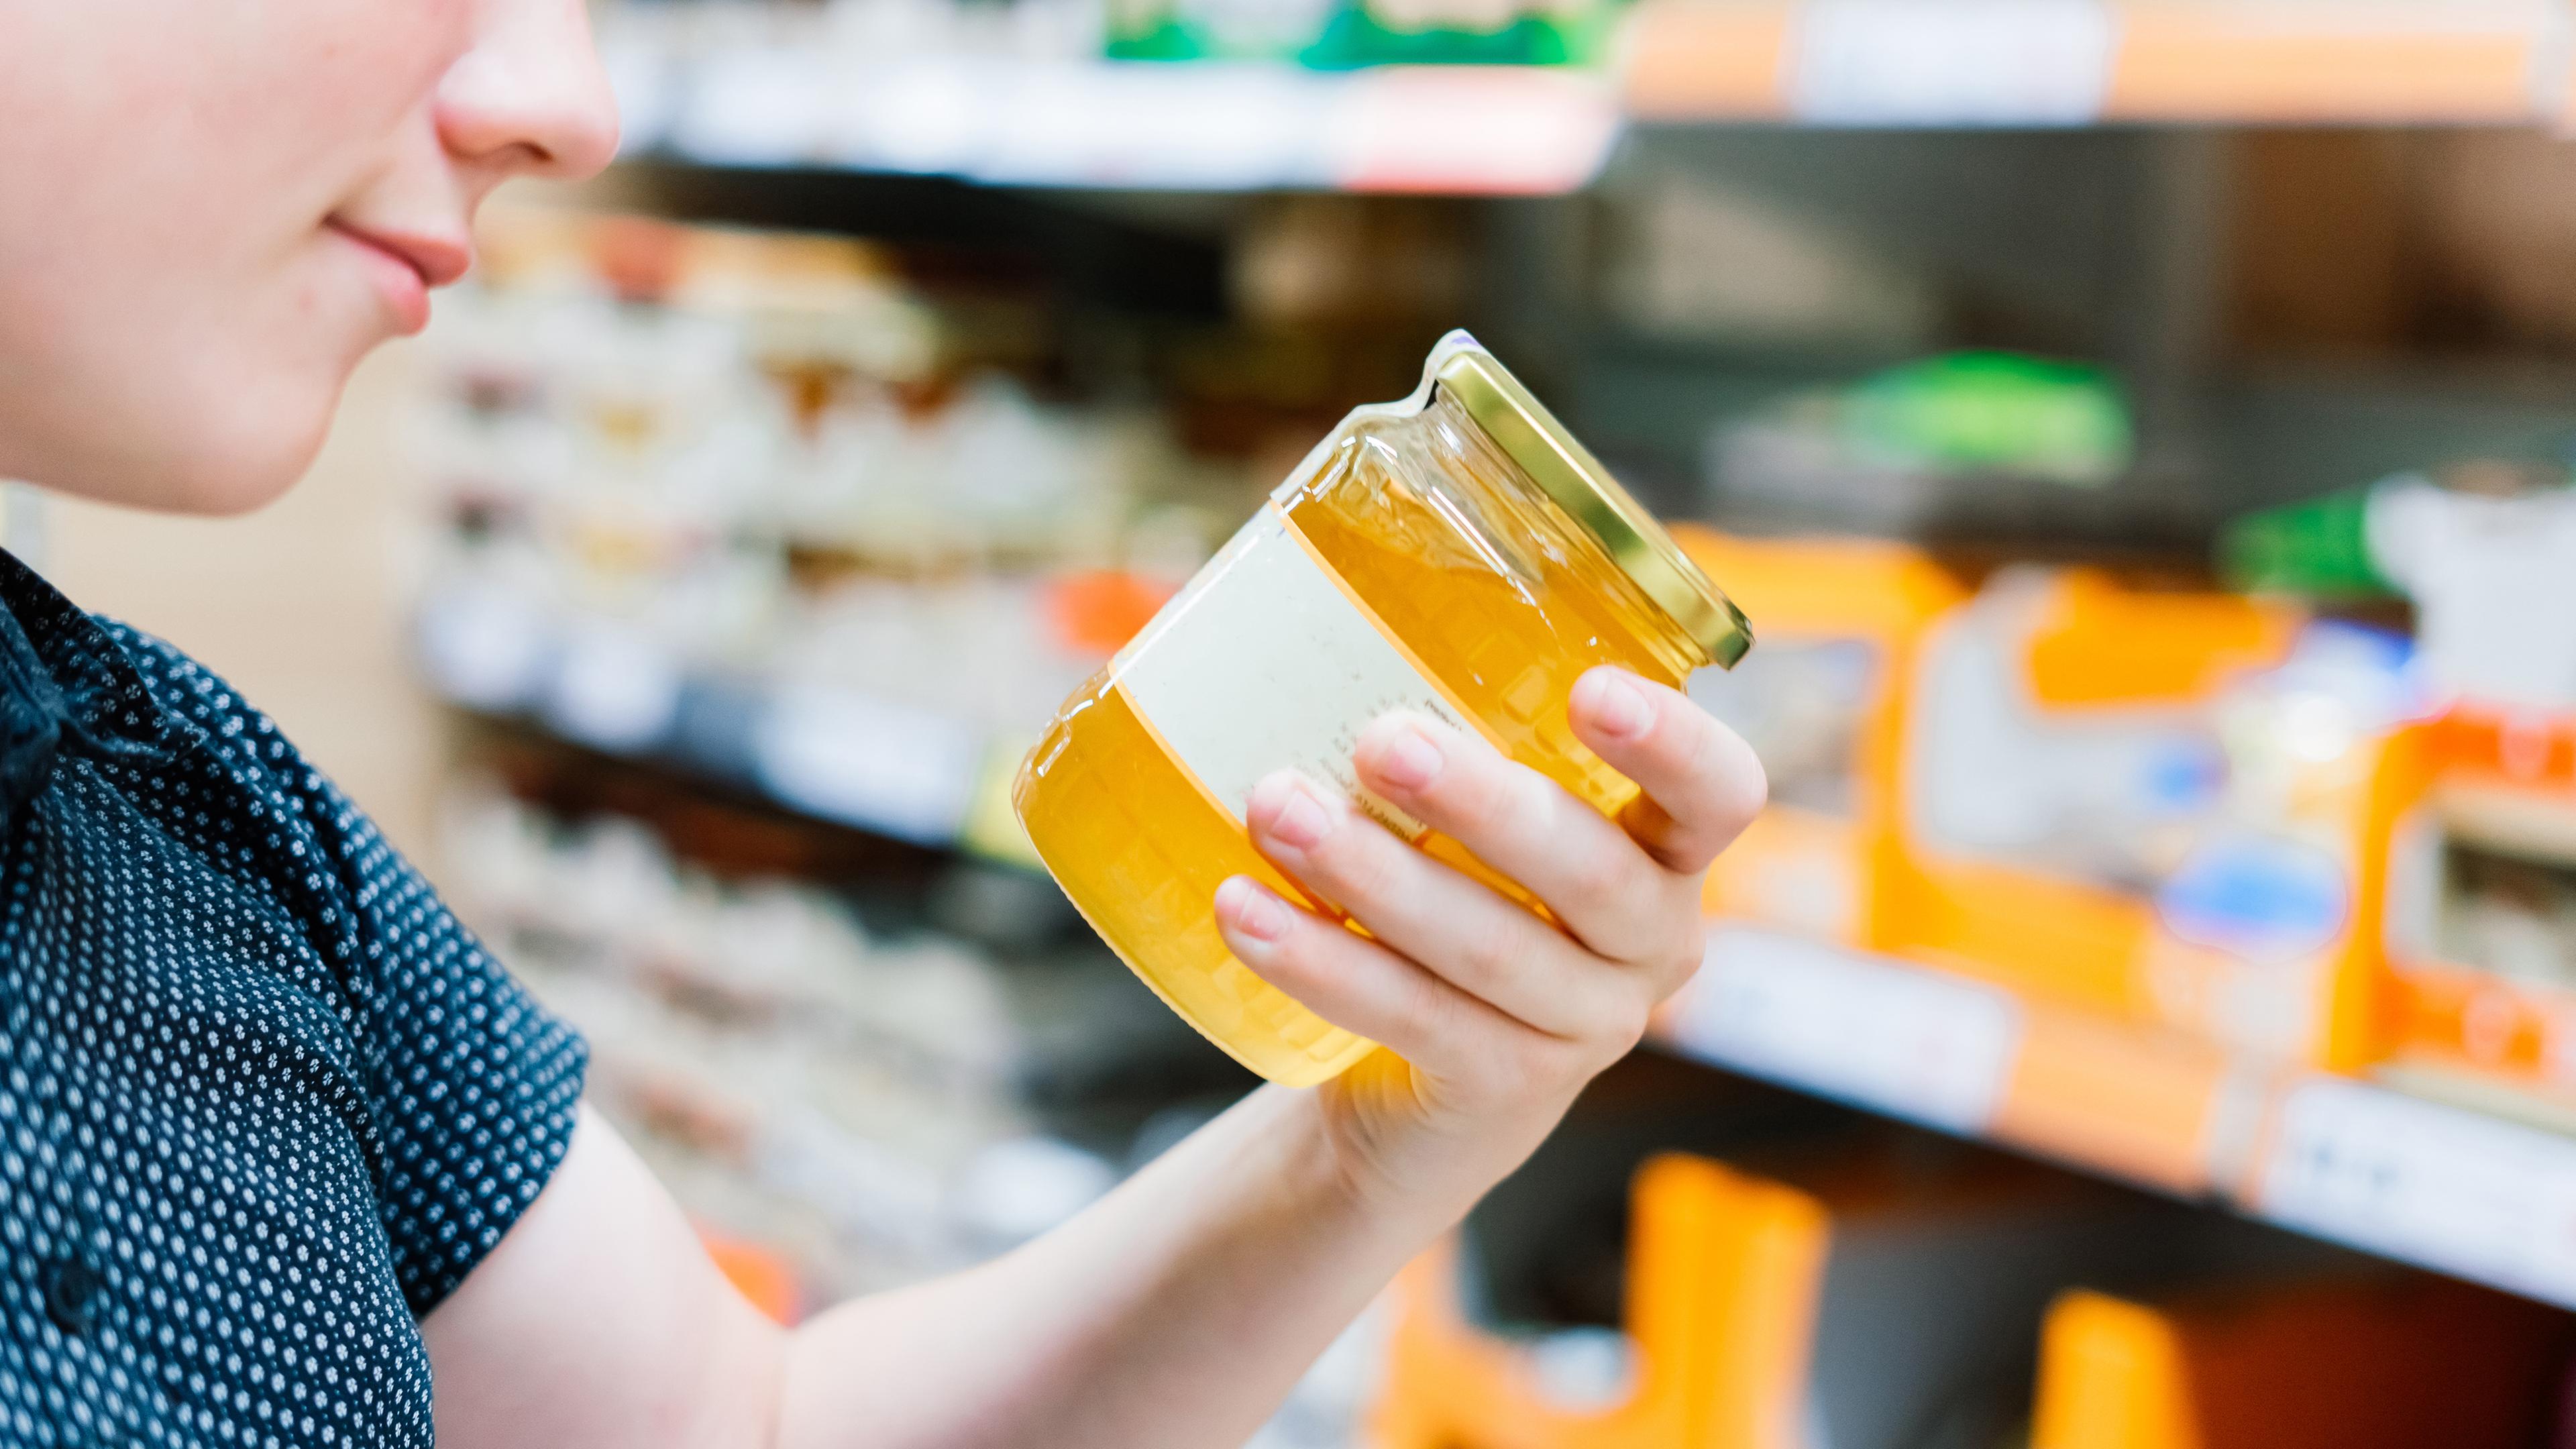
(177, 405)
(340, 95)
(263, 377)
(163, 172)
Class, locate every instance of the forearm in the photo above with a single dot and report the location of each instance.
(1175, 1312)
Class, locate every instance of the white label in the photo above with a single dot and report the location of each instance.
(1263, 663)
(2428, 1183)
(1889, 1036)
(1959, 62)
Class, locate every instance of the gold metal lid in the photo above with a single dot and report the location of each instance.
(1577, 483)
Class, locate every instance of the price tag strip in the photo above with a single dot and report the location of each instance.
(1893, 1038)
(2418, 1181)
(2427, 1183)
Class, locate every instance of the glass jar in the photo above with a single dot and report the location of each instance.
(1458, 554)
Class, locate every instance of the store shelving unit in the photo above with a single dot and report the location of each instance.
(838, 756)
(2446, 1187)
(1061, 121)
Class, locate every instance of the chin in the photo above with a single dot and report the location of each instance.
(246, 487)
(216, 461)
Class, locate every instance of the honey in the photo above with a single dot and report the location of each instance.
(1456, 553)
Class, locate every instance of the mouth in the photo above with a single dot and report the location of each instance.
(406, 266)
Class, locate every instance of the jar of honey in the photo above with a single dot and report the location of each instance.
(1458, 554)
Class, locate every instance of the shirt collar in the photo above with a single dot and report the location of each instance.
(65, 684)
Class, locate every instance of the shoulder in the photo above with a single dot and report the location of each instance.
(199, 696)
(298, 829)
(242, 739)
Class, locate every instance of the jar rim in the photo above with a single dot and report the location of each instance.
(1576, 482)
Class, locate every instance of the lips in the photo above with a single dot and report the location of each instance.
(406, 266)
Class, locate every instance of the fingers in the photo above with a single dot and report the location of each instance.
(1702, 782)
(1348, 979)
(1462, 932)
(1607, 891)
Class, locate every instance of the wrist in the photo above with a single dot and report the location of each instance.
(1350, 1179)
(1317, 1177)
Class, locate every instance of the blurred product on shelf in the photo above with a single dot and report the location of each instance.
(1222, 30)
(2147, 803)
(2475, 831)
(801, 1082)
(1967, 442)
(757, 501)
(1464, 32)
(2486, 549)
(2379, 1362)
(1341, 34)
(1324, 34)
(2480, 903)
(2212, 849)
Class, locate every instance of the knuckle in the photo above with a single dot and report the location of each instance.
(1626, 1022)
(1529, 1063)
(1573, 1061)
(1427, 1011)
(1597, 882)
(1494, 952)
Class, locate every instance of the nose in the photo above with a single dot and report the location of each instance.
(530, 96)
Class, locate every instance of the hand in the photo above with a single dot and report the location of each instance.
(1495, 1018)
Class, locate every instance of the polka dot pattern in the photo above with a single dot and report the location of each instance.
(263, 1102)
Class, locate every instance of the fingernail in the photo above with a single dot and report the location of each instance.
(1254, 911)
(1291, 810)
(1406, 757)
(1617, 706)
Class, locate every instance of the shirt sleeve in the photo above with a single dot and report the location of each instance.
(474, 1086)
(469, 1087)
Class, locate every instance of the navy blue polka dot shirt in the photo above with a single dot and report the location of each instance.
(265, 1102)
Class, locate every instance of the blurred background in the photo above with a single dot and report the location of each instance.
(2140, 430)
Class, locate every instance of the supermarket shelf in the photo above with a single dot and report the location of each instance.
(2429, 1183)
(2078, 62)
(1211, 126)
(1064, 121)
(840, 756)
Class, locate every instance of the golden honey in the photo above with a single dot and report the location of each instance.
(1456, 553)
